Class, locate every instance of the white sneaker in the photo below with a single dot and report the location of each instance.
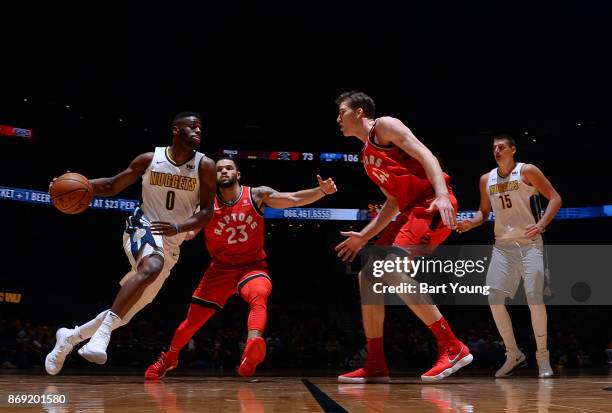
(543, 358)
(95, 350)
(64, 342)
(513, 362)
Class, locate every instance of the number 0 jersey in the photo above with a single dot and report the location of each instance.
(235, 235)
(170, 192)
(514, 203)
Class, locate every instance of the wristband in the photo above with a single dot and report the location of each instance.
(176, 228)
(324, 193)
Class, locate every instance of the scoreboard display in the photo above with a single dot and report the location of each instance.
(289, 156)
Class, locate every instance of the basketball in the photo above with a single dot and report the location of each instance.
(71, 193)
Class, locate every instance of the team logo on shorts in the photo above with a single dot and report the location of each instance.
(140, 232)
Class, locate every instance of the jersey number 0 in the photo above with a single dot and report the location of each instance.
(170, 200)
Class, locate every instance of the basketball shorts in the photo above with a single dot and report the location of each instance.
(138, 243)
(416, 226)
(219, 283)
(513, 261)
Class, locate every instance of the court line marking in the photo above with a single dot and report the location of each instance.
(576, 408)
(328, 404)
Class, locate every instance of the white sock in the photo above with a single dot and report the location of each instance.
(85, 331)
(111, 322)
(539, 321)
(504, 326)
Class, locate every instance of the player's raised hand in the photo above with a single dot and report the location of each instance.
(347, 250)
(328, 186)
(164, 228)
(442, 204)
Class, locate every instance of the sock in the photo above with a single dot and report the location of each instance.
(504, 326)
(255, 293)
(86, 330)
(442, 331)
(376, 350)
(197, 315)
(538, 321)
(111, 321)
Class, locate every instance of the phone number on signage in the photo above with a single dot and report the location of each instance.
(307, 214)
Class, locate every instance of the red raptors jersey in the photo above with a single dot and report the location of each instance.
(235, 235)
(397, 173)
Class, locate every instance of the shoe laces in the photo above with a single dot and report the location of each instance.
(65, 345)
(161, 362)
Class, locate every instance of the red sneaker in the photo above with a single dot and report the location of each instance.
(369, 373)
(452, 356)
(254, 353)
(163, 364)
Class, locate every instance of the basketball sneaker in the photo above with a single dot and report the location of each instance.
(95, 350)
(64, 342)
(371, 372)
(254, 353)
(452, 356)
(166, 362)
(544, 369)
(514, 361)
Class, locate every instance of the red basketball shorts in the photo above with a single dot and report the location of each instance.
(221, 282)
(415, 226)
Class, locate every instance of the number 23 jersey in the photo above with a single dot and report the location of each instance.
(235, 235)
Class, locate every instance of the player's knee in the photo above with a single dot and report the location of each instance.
(258, 298)
(262, 292)
(535, 298)
(150, 268)
(257, 289)
(496, 297)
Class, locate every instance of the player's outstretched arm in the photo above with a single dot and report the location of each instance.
(483, 210)
(391, 130)
(347, 250)
(533, 176)
(208, 187)
(274, 199)
(113, 185)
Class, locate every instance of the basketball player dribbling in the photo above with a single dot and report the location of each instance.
(415, 187)
(512, 190)
(235, 241)
(175, 181)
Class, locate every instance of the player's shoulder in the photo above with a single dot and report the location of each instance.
(144, 159)
(146, 155)
(206, 162)
(529, 168)
(387, 128)
(262, 190)
(485, 177)
(530, 172)
(388, 123)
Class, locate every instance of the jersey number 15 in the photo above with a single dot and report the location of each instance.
(505, 201)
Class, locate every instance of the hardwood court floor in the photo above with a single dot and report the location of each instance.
(176, 394)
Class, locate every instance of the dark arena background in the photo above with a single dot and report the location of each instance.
(87, 88)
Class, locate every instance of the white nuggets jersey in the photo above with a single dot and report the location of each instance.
(171, 192)
(515, 204)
